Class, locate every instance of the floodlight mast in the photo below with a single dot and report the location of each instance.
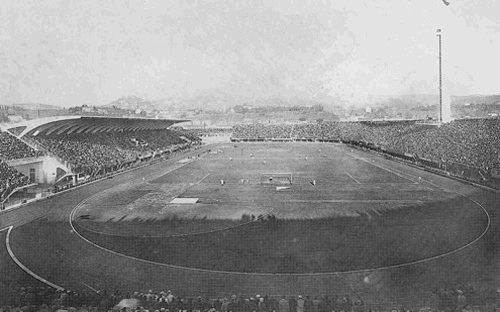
(440, 77)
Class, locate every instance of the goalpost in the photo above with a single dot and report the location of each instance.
(276, 178)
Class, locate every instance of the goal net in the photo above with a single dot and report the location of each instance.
(276, 178)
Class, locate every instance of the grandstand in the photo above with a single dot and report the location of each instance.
(466, 148)
(11, 150)
(63, 151)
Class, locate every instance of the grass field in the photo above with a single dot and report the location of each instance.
(357, 216)
(363, 213)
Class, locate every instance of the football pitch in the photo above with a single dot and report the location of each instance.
(355, 215)
(279, 217)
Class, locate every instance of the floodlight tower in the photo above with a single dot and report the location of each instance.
(440, 78)
(444, 97)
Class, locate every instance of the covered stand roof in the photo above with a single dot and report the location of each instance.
(80, 124)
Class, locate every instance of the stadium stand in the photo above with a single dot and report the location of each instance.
(191, 134)
(10, 179)
(197, 132)
(259, 131)
(85, 147)
(37, 298)
(468, 148)
(107, 151)
(12, 148)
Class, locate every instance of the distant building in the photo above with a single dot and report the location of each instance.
(87, 109)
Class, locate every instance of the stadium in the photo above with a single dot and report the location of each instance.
(249, 156)
(320, 209)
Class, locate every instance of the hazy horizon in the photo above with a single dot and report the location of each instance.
(69, 53)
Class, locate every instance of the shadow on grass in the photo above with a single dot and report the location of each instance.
(273, 245)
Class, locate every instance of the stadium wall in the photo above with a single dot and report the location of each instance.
(42, 170)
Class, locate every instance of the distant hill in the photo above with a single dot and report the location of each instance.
(212, 99)
(36, 106)
(217, 101)
(412, 100)
(133, 102)
(406, 100)
(475, 99)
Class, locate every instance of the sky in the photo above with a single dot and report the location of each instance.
(73, 52)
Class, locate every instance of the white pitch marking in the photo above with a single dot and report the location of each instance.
(383, 168)
(370, 201)
(375, 210)
(95, 290)
(398, 173)
(22, 266)
(203, 179)
(350, 176)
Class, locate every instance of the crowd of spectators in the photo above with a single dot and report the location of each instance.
(190, 134)
(260, 131)
(88, 153)
(201, 132)
(10, 179)
(471, 142)
(12, 148)
(93, 152)
(31, 299)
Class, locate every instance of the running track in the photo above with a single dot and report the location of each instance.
(83, 266)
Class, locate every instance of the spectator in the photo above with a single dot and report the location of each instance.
(308, 305)
(283, 305)
(461, 300)
(292, 304)
(300, 304)
(262, 305)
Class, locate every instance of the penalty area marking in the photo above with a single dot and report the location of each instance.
(184, 200)
(400, 174)
(83, 202)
